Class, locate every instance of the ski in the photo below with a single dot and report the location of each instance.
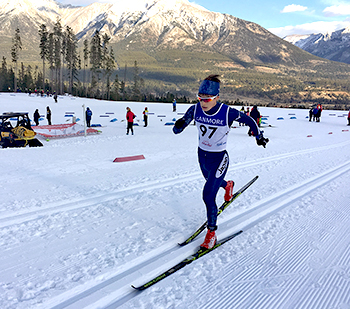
(198, 254)
(220, 210)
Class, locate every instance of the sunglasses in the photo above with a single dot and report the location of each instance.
(207, 99)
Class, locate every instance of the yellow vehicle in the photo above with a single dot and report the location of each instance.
(16, 131)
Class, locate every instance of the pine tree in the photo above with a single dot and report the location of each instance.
(16, 47)
(95, 60)
(136, 92)
(71, 56)
(51, 58)
(108, 62)
(44, 48)
(58, 38)
(86, 58)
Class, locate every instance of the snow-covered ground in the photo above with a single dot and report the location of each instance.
(76, 229)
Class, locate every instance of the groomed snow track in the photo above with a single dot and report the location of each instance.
(114, 289)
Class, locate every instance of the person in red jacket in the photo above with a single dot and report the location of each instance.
(130, 119)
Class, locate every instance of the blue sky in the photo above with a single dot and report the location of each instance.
(287, 17)
(280, 17)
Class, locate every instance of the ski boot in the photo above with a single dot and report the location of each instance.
(229, 190)
(210, 239)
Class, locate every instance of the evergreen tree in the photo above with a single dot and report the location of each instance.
(71, 56)
(16, 47)
(51, 58)
(108, 62)
(95, 60)
(5, 82)
(57, 52)
(44, 48)
(136, 92)
(116, 88)
(86, 58)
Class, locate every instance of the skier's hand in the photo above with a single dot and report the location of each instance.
(261, 140)
(180, 123)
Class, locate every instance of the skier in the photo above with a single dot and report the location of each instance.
(349, 118)
(130, 118)
(213, 121)
(88, 115)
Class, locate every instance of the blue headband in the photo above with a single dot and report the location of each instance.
(209, 87)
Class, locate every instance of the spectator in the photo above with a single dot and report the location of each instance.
(88, 115)
(255, 114)
(130, 118)
(36, 117)
(48, 115)
(145, 116)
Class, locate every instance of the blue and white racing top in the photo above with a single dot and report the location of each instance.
(213, 129)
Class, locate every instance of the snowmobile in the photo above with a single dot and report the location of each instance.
(16, 131)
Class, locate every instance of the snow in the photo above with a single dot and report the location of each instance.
(76, 229)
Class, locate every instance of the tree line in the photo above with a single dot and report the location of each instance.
(90, 73)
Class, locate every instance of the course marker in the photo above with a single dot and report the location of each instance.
(130, 158)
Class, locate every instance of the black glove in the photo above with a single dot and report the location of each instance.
(180, 123)
(261, 140)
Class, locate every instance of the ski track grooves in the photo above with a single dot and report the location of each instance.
(115, 291)
(93, 200)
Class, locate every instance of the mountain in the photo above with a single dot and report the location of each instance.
(149, 25)
(333, 45)
(176, 43)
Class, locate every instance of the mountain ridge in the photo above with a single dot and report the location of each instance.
(155, 24)
(331, 45)
(175, 43)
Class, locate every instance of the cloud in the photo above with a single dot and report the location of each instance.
(337, 10)
(310, 28)
(293, 8)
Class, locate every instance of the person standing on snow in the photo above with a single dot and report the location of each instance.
(311, 113)
(255, 114)
(48, 115)
(213, 121)
(88, 115)
(36, 117)
(318, 114)
(349, 118)
(130, 118)
(145, 116)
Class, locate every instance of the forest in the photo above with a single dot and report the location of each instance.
(93, 70)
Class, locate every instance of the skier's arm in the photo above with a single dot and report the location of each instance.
(235, 115)
(184, 121)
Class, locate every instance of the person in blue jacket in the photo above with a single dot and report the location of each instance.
(213, 121)
(88, 115)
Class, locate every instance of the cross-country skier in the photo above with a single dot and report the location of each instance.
(213, 121)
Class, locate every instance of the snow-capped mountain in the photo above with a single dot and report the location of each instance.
(332, 45)
(150, 25)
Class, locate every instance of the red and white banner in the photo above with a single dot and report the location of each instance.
(62, 130)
